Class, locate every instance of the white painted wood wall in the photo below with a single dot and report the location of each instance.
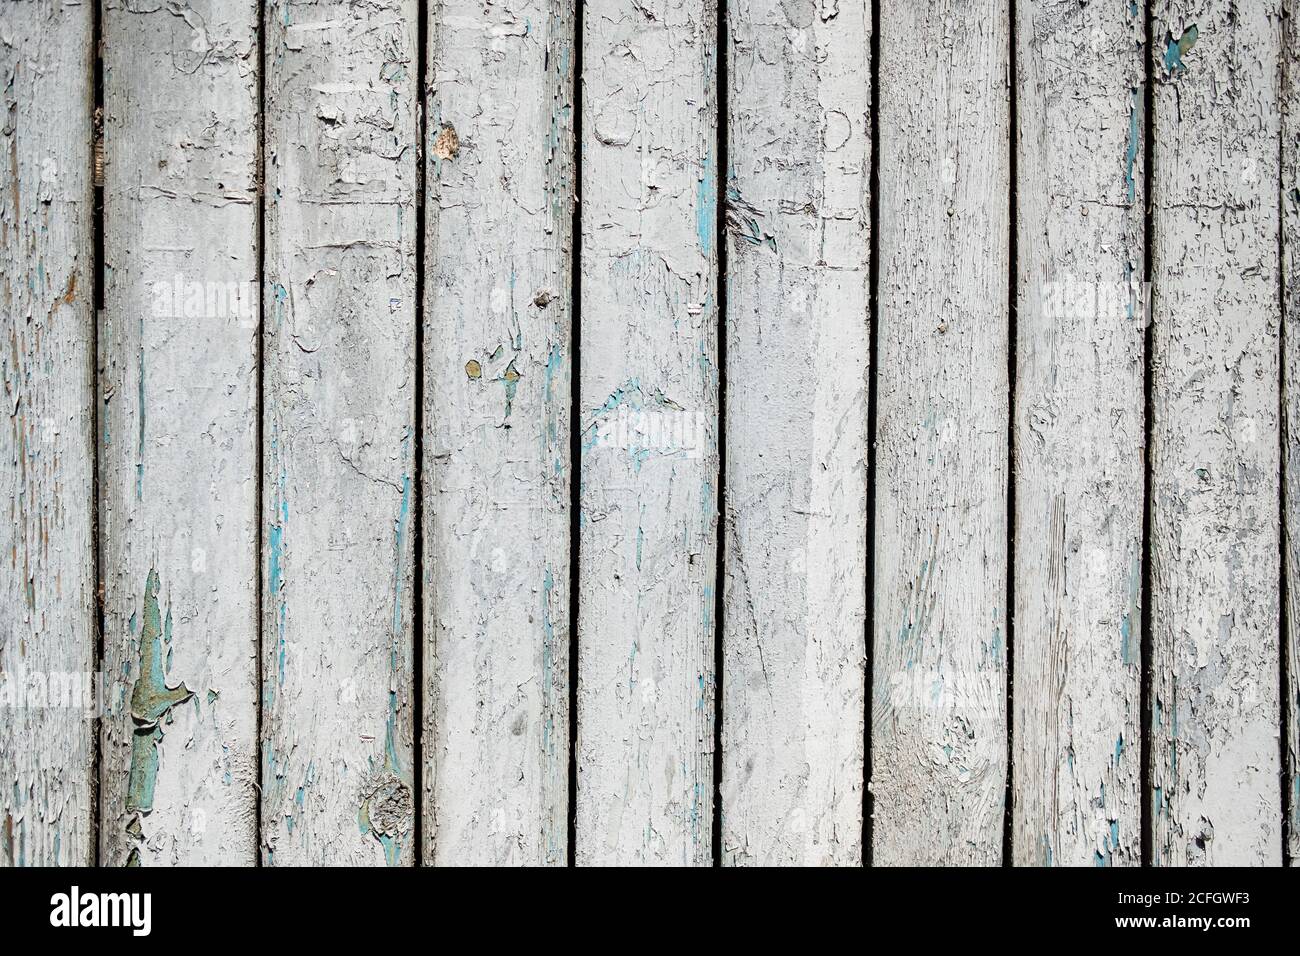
(681, 432)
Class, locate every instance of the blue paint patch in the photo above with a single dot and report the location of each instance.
(706, 205)
(1176, 49)
(1130, 157)
(152, 701)
(139, 466)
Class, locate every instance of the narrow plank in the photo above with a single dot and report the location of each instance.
(648, 404)
(338, 423)
(47, 615)
(1290, 185)
(1214, 432)
(178, 374)
(497, 354)
(1079, 433)
(939, 731)
(798, 350)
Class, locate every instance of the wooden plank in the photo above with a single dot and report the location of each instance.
(1214, 432)
(497, 359)
(47, 615)
(798, 349)
(178, 494)
(1290, 185)
(1079, 434)
(648, 393)
(338, 426)
(939, 673)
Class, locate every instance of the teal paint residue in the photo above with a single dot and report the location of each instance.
(704, 361)
(386, 804)
(706, 206)
(1127, 646)
(629, 394)
(392, 762)
(706, 618)
(276, 568)
(151, 702)
(1176, 49)
(139, 465)
(511, 379)
(553, 363)
(274, 559)
(403, 516)
(1130, 157)
(281, 295)
(548, 664)
(1129, 309)
(743, 219)
(275, 574)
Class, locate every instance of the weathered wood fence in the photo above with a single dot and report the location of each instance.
(666, 431)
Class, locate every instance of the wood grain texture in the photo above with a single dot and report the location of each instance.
(47, 615)
(1215, 446)
(1290, 202)
(1078, 438)
(498, 359)
(178, 490)
(340, 313)
(648, 400)
(798, 350)
(939, 737)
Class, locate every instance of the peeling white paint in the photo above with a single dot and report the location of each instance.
(1290, 181)
(498, 365)
(178, 372)
(798, 343)
(648, 551)
(338, 435)
(1215, 449)
(47, 623)
(939, 731)
(1079, 438)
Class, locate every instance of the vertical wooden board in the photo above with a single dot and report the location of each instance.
(939, 740)
(1214, 433)
(500, 193)
(178, 375)
(47, 616)
(648, 403)
(1290, 185)
(798, 349)
(1078, 433)
(339, 373)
